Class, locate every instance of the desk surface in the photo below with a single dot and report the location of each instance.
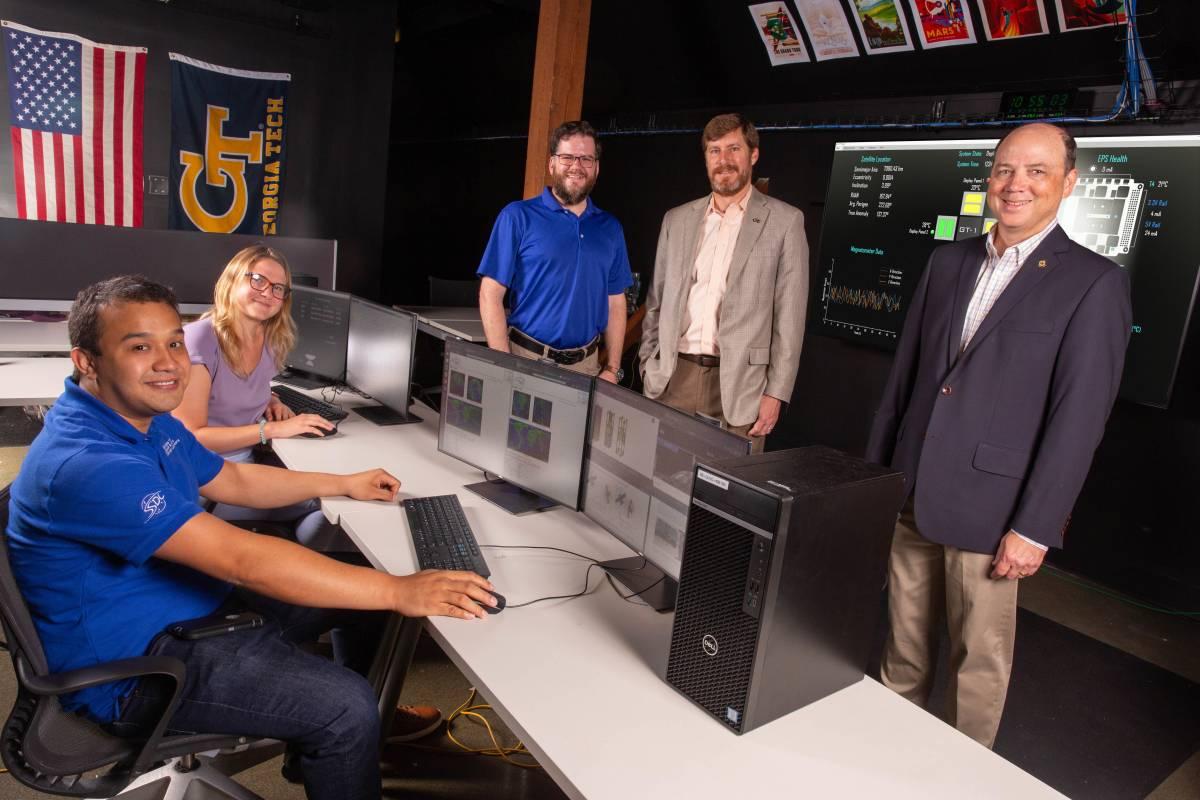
(444, 321)
(579, 681)
(32, 381)
(22, 336)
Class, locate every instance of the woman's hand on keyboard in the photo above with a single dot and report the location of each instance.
(297, 425)
(276, 410)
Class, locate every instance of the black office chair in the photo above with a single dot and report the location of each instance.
(53, 751)
(452, 293)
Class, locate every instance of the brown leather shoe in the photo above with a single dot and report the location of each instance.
(413, 722)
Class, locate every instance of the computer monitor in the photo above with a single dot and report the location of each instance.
(524, 421)
(379, 349)
(319, 356)
(638, 482)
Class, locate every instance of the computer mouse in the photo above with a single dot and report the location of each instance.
(500, 603)
(320, 435)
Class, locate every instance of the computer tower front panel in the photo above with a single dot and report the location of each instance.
(715, 634)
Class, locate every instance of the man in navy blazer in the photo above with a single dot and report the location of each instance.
(1007, 368)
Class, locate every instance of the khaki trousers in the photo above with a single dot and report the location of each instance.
(589, 366)
(930, 583)
(694, 388)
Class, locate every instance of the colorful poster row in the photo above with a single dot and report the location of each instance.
(75, 123)
(883, 26)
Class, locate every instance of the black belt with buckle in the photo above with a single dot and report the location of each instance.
(570, 356)
(701, 359)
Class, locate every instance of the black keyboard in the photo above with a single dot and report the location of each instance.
(303, 404)
(442, 536)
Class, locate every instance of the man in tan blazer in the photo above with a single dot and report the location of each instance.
(725, 316)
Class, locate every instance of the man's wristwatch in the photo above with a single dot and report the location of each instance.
(620, 373)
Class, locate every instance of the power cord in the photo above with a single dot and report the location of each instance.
(470, 710)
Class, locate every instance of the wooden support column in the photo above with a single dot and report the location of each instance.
(558, 71)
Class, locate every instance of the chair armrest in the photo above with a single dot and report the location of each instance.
(122, 669)
(86, 677)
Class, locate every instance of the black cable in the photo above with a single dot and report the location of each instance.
(587, 575)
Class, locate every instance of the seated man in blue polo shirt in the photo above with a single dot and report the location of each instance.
(109, 546)
(564, 262)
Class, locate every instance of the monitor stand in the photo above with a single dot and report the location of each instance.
(382, 415)
(512, 499)
(645, 580)
(301, 380)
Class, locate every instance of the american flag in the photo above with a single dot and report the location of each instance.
(75, 111)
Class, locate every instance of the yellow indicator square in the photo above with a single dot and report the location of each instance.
(988, 224)
(972, 204)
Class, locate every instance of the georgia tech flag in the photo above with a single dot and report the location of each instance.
(227, 147)
(75, 117)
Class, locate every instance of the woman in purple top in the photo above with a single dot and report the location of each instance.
(236, 348)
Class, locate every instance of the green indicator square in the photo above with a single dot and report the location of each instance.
(945, 228)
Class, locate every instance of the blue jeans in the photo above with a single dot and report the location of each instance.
(260, 683)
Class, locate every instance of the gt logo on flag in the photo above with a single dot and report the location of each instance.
(225, 158)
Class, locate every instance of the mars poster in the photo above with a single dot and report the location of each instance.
(882, 25)
(1012, 19)
(942, 23)
(1082, 15)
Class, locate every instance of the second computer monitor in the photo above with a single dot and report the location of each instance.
(638, 478)
(321, 319)
(522, 420)
(379, 352)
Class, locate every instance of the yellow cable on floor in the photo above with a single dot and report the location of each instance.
(472, 712)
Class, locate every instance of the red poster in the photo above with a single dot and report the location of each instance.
(1010, 19)
(1081, 15)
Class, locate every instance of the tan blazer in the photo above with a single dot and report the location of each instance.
(761, 325)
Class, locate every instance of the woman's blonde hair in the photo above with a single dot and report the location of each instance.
(280, 330)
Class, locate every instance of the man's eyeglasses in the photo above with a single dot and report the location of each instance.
(259, 283)
(568, 160)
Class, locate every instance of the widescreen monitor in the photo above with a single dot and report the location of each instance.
(379, 356)
(322, 319)
(523, 421)
(890, 204)
(638, 477)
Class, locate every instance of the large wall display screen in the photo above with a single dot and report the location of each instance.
(1137, 202)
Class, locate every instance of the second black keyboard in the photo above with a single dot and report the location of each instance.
(442, 536)
(303, 404)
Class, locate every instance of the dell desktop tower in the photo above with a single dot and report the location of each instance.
(784, 564)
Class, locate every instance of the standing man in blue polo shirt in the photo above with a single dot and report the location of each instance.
(564, 262)
(109, 546)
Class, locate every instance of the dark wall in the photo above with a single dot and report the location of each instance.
(340, 59)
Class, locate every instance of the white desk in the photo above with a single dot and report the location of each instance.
(579, 681)
(443, 321)
(22, 336)
(32, 381)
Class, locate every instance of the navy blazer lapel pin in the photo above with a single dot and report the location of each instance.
(1042, 264)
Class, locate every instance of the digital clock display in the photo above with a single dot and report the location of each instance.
(1036, 105)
